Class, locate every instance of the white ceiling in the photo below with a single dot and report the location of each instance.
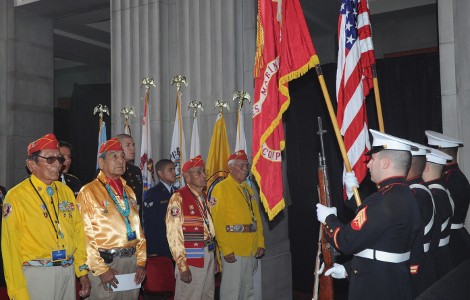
(82, 27)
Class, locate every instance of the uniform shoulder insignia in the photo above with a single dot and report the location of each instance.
(6, 210)
(360, 219)
(212, 201)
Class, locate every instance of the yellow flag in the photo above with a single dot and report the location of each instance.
(216, 166)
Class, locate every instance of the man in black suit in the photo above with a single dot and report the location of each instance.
(70, 180)
(155, 208)
(133, 174)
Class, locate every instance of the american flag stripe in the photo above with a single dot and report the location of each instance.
(354, 80)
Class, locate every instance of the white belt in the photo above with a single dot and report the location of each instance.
(384, 256)
(426, 247)
(444, 241)
(456, 226)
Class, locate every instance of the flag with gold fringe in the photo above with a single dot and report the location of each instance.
(219, 151)
(284, 52)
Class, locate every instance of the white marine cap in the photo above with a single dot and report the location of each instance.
(440, 140)
(383, 141)
(418, 149)
(437, 157)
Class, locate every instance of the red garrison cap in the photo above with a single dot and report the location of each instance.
(193, 162)
(240, 154)
(110, 145)
(48, 141)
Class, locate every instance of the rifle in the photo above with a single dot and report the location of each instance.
(323, 286)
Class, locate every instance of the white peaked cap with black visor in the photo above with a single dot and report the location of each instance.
(384, 141)
(439, 140)
(437, 157)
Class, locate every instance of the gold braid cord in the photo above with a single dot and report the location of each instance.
(259, 61)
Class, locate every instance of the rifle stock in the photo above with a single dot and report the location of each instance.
(325, 283)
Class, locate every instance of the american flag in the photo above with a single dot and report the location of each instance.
(354, 80)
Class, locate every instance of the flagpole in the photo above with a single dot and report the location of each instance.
(127, 111)
(377, 99)
(179, 80)
(332, 114)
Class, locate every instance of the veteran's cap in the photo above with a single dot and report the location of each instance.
(110, 145)
(240, 154)
(384, 141)
(49, 141)
(192, 163)
(439, 140)
(437, 157)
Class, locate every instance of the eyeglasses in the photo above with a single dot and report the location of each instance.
(198, 172)
(51, 159)
(243, 166)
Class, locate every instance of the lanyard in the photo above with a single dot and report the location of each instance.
(246, 196)
(204, 211)
(57, 230)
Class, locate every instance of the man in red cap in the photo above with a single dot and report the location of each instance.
(238, 228)
(190, 234)
(42, 231)
(114, 237)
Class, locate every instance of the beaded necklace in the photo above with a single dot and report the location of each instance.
(124, 212)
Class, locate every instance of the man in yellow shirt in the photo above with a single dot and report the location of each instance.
(114, 238)
(238, 229)
(42, 231)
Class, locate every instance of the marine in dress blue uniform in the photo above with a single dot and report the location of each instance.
(459, 189)
(423, 259)
(384, 229)
(435, 161)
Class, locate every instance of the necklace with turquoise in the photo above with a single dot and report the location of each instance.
(124, 212)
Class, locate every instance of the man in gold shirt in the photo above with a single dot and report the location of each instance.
(238, 228)
(190, 234)
(114, 238)
(42, 231)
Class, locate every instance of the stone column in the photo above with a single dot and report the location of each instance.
(454, 48)
(212, 43)
(26, 86)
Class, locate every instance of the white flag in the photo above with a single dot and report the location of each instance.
(146, 161)
(178, 147)
(195, 145)
(241, 139)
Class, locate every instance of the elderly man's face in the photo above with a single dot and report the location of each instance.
(239, 170)
(197, 177)
(44, 171)
(113, 164)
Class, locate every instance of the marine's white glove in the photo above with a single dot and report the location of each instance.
(350, 181)
(337, 271)
(324, 211)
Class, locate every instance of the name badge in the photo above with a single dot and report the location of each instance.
(58, 255)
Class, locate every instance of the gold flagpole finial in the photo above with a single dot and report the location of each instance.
(127, 111)
(241, 96)
(179, 80)
(195, 105)
(221, 104)
(101, 109)
(147, 81)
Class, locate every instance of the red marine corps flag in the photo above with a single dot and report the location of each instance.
(284, 52)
